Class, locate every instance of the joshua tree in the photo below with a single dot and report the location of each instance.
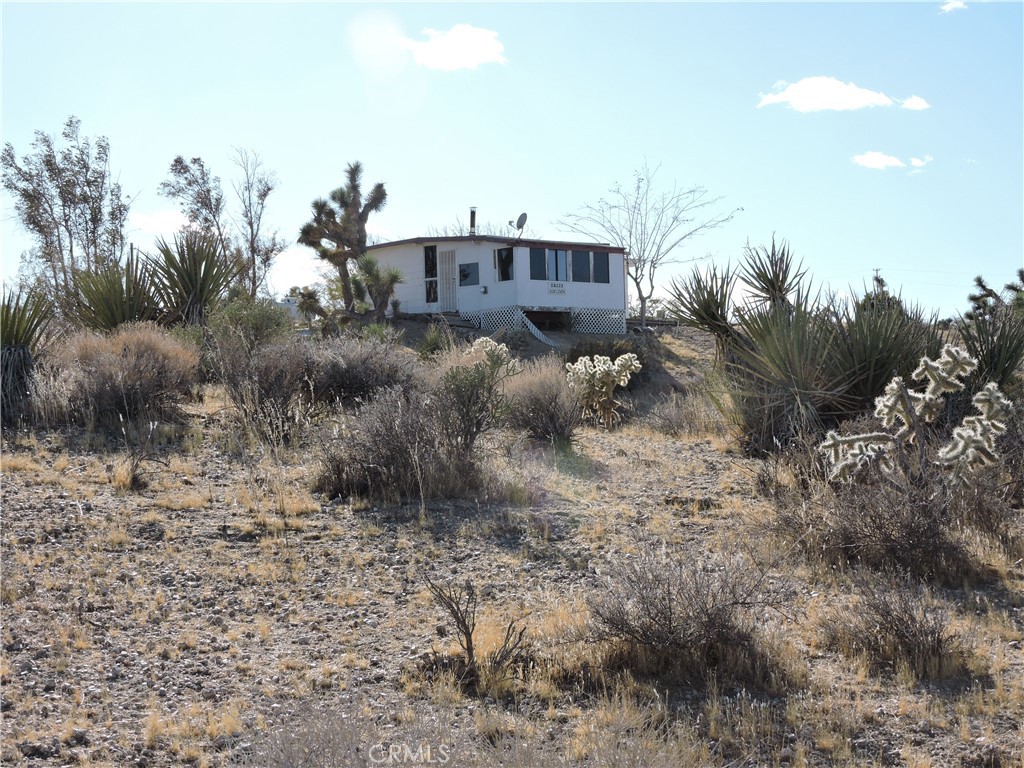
(338, 228)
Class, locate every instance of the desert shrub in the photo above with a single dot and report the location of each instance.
(282, 384)
(469, 394)
(191, 276)
(879, 527)
(691, 614)
(542, 404)
(417, 440)
(594, 381)
(894, 624)
(139, 370)
(233, 332)
(392, 450)
(687, 413)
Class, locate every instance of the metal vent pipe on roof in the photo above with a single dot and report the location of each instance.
(472, 220)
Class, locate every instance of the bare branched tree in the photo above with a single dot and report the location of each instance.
(242, 238)
(649, 224)
(258, 248)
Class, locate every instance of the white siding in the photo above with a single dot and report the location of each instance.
(521, 290)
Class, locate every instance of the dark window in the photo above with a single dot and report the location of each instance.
(581, 266)
(600, 267)
(557, 265)
(538, 269)
(503, 264)
(430, 272)
(430, 262)
(469, 274)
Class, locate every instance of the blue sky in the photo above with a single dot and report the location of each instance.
(869, 136)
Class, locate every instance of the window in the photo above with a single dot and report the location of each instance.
(600, 267)
(469, 274)
(430, 272)
(538, 268)
(557, 264)
(503, 264)
(581, 266)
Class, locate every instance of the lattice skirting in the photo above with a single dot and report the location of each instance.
(598, 321)
(583, 320)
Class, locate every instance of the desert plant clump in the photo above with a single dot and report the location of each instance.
(594, 380)
(895, 625)
(138, 370)
(542, 404)
(904, 412)
(669, 611)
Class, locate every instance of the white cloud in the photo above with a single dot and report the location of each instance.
(920, 162)
(461, 47)
(915, 103)
(814, 94)
(157, 223)
(381, 49)
(953, 5)
(877, 160)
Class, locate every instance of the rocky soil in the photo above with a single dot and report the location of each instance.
(182, 622)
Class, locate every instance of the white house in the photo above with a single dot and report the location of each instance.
(500, 282)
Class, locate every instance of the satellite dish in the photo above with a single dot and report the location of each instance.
(521, 221)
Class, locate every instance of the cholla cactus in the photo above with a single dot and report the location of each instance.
(972, 445)
(594, 382)
(497, 355)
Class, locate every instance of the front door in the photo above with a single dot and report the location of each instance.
(447, 284)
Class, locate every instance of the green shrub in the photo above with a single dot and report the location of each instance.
(542, 404)
(192, 275)
(436, 338)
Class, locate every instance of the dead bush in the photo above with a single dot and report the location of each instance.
(542, 403)
(392, 450)
(278, 387)
(138, 370)
(689, 413)
(895, 624)
(694, 615)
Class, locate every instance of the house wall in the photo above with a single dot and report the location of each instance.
(521, 291)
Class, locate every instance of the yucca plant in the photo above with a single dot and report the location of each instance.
(878, 340)
(786, 374)
(24, 322)
(191, 276)
(704, 301)
(116, 295)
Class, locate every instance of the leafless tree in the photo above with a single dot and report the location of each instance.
(649, 224)
(202, 201)
(259, 249)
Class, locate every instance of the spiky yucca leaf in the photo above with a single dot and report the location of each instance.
(996, 341)
(24, 320)
(771, 274)
(880, 340)
(192, 276)
(116, 295)
(703, 301)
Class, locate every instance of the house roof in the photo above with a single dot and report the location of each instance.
(561, 244)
